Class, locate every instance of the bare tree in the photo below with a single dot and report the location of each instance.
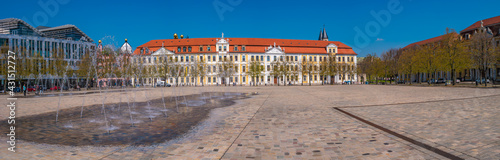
(226, 69)
(483, 50)
(390, 60)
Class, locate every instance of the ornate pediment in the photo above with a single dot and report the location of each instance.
(331, 45)
(162, 51)
(275, 50)
(222, 40)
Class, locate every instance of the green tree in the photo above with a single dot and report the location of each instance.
(428, 60)
(407, 62)
(308, 68)
(276, 70)
(453, 54)
(255, 69)
(329, 68)
(286, 69)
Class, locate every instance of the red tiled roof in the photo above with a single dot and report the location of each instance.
(252, 45)
(427, 41)
(486, 22)
(431, 40)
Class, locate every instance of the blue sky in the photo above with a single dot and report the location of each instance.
(141, 21)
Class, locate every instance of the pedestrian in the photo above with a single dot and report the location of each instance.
(24, 90)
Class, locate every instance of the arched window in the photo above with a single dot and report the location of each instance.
(178, 49)
(183, 49)
(189, 49)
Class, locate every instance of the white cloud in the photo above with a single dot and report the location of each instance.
(380, 39)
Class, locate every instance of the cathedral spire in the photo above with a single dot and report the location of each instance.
(324, 36)
(320, 34)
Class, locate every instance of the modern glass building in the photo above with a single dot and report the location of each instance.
(36, 48)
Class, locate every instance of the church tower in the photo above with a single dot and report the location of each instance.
(322, 35)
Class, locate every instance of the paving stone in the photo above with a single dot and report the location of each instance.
(289, 122)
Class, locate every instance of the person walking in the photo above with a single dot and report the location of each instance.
(24, 90)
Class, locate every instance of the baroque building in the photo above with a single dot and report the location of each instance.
(281, 61)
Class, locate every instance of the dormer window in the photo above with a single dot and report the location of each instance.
(243, 48)
(235, 48)
(183, 49)
(178, 49)
(208, 48)
(201, 48)
(189, 49)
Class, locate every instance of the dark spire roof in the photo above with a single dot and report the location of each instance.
(320, 34)
(324, 35)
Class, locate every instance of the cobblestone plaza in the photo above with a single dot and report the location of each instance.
(304, 122)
